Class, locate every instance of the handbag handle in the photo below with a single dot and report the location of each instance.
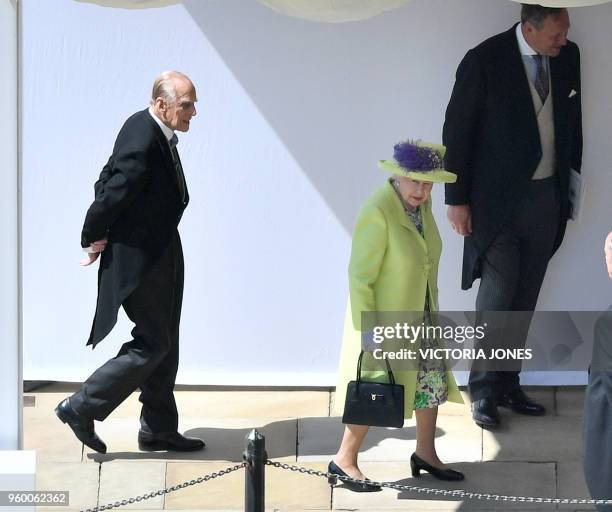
(389, 372)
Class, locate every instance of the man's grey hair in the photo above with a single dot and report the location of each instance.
(164, 86)
(536, 14)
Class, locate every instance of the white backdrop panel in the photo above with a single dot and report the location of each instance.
(10, 363)
(292, 117)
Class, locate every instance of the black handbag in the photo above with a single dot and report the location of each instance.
(377, 404)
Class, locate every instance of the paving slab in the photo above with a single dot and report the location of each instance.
(455, 409)
(224, 438)
(570, 400)
(507, 478)
(457, 439)
(52, 440)
(224, 493)
(543, 438)
(571, 484)
(120, 436)
(291, 490)
(80, 480)
(207, 403)
(121, 480)
(47, 397)
(43, 405)
(284, 489)
(46, 402)
(252, 404)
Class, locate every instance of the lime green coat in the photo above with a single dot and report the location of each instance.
(390, 269)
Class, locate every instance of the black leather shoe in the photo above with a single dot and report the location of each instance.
(334, 469)
(173, 441)
(417, 464)
(520, 403)
(82, 427)
(484, 412)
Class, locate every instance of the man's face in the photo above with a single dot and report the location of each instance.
(178, 114)
(551, 37)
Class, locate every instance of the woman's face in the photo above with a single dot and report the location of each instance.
(414, 192)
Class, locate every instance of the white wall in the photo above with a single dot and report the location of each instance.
(17, 473)
(10, 362)
(292, 118)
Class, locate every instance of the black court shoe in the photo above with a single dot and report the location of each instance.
(334, 469)
(417, 464)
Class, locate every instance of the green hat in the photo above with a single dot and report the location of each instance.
(419, 161)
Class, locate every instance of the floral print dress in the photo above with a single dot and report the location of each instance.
(431, 387)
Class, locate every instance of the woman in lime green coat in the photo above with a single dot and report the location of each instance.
(394, 265)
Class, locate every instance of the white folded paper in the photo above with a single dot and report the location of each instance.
(577, 191)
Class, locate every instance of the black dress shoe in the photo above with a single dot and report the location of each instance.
(484, 412)
(334, 469)
(417, 464)
(520, 403)
(82, 427)
(173, 441)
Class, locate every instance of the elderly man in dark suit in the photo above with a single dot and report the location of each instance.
(512, 132)
(139, 200)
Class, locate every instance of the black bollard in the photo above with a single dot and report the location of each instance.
(254, 476)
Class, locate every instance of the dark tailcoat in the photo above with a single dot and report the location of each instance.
(492, 137)
(138, 207)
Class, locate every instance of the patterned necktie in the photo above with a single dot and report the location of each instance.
(541, 78)
(180, 177)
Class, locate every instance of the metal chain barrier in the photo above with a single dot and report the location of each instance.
(442, 492)
(161, 492)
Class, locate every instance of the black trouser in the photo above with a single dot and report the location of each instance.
(150, 359)
(513, 269)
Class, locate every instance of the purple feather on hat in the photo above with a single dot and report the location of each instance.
(413, 157)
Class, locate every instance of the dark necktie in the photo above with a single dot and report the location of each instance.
(180, 177)
(541, 78)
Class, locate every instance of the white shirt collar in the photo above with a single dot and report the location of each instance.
(168, 132)
(524, 47)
